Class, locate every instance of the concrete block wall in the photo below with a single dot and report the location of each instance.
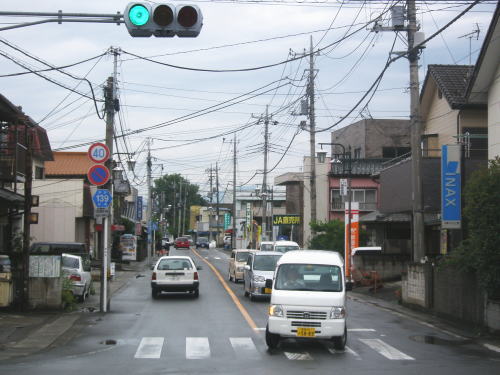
(457, 295)
(388, 267)
(45, 292)
(492, 315)
(414, 286)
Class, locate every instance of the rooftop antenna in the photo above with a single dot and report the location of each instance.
(470, 35)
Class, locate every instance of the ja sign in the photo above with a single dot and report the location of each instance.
(451, 215)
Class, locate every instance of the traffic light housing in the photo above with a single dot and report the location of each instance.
(163, 20)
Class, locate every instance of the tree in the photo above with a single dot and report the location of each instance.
(330, 235)
(480, 251)
(163, 191)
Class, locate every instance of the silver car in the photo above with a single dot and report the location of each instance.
(78, 272)
(260, 267)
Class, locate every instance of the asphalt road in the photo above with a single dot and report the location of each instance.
(221, 332)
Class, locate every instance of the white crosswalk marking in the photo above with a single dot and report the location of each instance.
(197, 348)
(244, 347)
(347, 350)
(298, 356)
(386, 350)
(150, 347)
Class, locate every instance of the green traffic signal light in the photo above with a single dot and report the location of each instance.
(138, 15)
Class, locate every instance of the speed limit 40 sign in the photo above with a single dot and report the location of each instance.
(99, 153)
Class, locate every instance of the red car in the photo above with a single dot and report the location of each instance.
(181, 242)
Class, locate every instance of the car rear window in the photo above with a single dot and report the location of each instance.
(265, 262)
(242, 256)
(68, 262)
(182, 239)
(174, 265)
(266, 247)
(284, 249)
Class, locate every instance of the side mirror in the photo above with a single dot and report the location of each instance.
(348, 285)
(247, 267)
(269, 283)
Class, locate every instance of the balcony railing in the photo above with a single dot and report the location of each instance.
(12, 166)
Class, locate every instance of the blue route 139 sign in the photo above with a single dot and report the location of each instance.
(102, 198)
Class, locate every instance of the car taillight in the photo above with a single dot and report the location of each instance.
(153, 277)
(196, 275)
(75, 278)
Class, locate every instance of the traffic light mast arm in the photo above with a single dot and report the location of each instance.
(59, 17)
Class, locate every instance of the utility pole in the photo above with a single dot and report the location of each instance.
(184, 211)
(264, 180)
(418, 228)
(174, 210)
(28, 133)
(217, 212)
(150, 204)
(312, 137)
(416, 131)
(110, 98)
(179, 226)
(233, 237)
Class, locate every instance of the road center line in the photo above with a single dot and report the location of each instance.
(235, 299)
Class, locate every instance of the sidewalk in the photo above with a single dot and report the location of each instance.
(23, 334)
(388, 298)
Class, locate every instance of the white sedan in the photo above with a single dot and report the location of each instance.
(175, 274)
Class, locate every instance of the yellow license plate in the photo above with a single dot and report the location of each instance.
(267, 290)
(306, 332)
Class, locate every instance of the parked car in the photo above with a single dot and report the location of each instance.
(77, 270)
(316, 279)
(227, 242)
(182, 243)
(175, 274)
(285, 246)
(58, 248)
(259, 268)
(266, 246)
(202, 242)
(237, 263)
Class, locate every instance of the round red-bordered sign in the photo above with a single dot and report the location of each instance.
(98, 175)
(99, 153)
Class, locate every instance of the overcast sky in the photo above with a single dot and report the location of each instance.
(235, 35)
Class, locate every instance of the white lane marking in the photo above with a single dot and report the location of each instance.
(298, 356)
(150, 347)
(346, 350)
(218, 258)
(244, 347)
(197, 347)
(259, 329)
(492, 347)
(360, 330)
(386, 350)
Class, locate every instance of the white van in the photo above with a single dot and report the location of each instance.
(308, 298)
(284, 246)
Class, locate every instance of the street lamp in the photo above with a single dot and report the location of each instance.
(346, 169)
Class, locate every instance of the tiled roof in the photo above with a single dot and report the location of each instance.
(452, 80)
(359, 167)
(68, 164)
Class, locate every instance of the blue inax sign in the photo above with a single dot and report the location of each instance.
(451, 187)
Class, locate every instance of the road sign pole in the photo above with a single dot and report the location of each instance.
(104, 268)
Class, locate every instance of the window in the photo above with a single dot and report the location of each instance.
(357, 153)
(68, 262)
(367, 199)
(242, 256)
(477, 141)
(394, 152)
(174, 265)
(265, 262)
(39, 173)
(310, 277)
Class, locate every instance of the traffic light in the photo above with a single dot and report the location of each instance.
(163, 20)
